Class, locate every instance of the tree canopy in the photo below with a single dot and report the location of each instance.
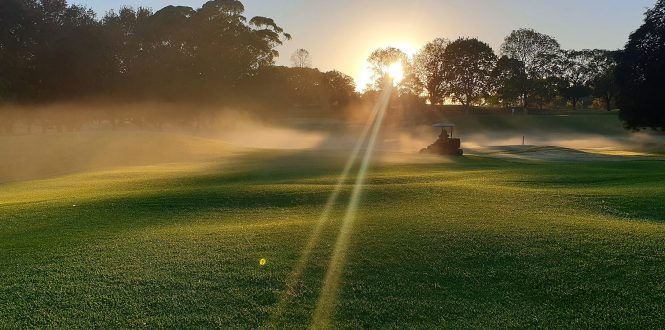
(468, 66)
(527, 45)
(429, 67)
(53, 51)
(381, 59)
(508, 81)
(640, 74)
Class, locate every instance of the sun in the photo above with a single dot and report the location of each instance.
(396, 72)
(365, 75)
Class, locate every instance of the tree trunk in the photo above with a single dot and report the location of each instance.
(467, 104)
(608, 103)
(525, 106)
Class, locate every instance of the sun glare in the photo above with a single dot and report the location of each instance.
(365, 76)
(396, 72)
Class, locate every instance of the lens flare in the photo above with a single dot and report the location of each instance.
(330, 291)
(315, 235)
(328, 295)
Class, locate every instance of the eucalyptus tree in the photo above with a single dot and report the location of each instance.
(51, 50)
(126, 33)
(19, 39)
(186, 53)
(576, 71)
(228, 47)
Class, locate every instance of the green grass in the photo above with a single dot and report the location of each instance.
(475, 242)
(593, 122)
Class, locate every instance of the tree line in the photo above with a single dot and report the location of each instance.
(533, 71)
(52, 51)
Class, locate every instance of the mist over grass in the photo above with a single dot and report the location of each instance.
(222, 132)
(149, 226)
(475, 242)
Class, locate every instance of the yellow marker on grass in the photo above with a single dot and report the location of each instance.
(263, 262)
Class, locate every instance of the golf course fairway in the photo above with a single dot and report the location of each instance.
(479, 241)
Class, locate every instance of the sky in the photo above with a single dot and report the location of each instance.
(341, 34)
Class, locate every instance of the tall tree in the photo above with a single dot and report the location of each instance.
(19, 40)
(301, 58)
(126, 34)
(508, 79)
(603, 84)
(545, 90)
(641, 73)
(228, 49)
(527, 45)
(342, 87)
(468, 66)
(49, 48)
(429, 65)
(574, 71)
(578, 69)
(380, 61)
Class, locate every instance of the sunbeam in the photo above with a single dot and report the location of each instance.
(315, 235)
(329, 292)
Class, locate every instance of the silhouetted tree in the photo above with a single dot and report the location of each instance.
(604, 87)
(301, 58)
(227, 49)
(126, 34)
(574, 93)
(574, 71)
(526, 45)
(410, 85)
(429, 65)
(342, 87)
(381, 59)
(603, 84)
(468, 66)
(302, 88)
(578, 70)
(19, 37)
(50, 50)
(508, 80)
(641, 73)
(545, 91)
